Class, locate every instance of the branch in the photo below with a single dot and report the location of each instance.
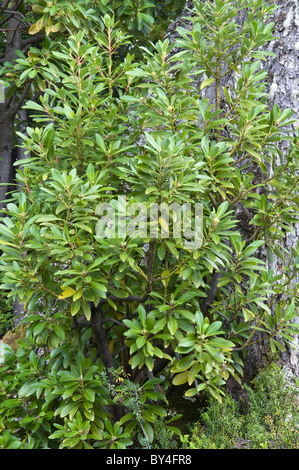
(37, 95)
(159, 365)
(32, 40)
(114, 320)
(130, 298)
(80, 325)
(96, 321)
(99, 332)
(248, 343)
(150, 265)
(3, 6)
(213, 201)
(213, 287)
(2, 30)
(19, 104)
(12, 13)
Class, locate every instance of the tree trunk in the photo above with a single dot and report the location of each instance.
(284, 91)
(6, 152)
(8, 111)
(283, 88)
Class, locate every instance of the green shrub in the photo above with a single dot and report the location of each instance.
(220, 425)
(61, 399)
(267, 418)
(273, 410)
(111, 130)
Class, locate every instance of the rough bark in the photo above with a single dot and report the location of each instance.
(283, 88)
(6, 138)
(284, 91)
(8, 110)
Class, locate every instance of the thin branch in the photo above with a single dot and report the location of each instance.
(12, 13)
(32, 40)
(19, 104)
(114, 320)
(211, 294)
(37, 95)
(124, 348)
(225, 318)
(150, 266)
(80, 325)
(212, 199)
(248, 343)
(130, 298)
(13, 29)
(3, 6)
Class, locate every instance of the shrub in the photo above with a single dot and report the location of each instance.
(112, 133)
(268, 418)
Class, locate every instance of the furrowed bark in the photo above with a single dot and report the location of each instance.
(283, 88)
(8, 110)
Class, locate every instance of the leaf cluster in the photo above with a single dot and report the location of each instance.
(121, 135)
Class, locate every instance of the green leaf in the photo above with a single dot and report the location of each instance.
(149, 362)
(89, 394)
(70, 410)
(248, 314)
(207, 82)
(148, 429)
(137, 72)
(191, 392)
(183, 364)
(59, 331)
(100, 142)
(193, 372)
(221, 343)
(157, 409)
(11, 403)
(142, 315)
(118, 293)
(75, 307)
(86, 309)
(161, 252)
(213, 328)
(181, 378)
(252, 248)
(6, 352)
(172, 325)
